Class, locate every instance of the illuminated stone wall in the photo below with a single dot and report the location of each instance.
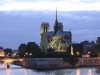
(59, 44)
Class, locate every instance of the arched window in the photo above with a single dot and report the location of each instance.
(44, 28)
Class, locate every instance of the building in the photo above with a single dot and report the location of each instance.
(88, 46)
(2, 53)
(98, 40)
(14, 53)
(57, 39)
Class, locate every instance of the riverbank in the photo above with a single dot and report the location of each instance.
(57, 63)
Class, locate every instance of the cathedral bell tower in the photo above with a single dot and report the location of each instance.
(56, 24)
(45, 27)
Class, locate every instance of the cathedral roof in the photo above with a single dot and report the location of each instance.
(59, 33)
(65, 33)
(49, 33)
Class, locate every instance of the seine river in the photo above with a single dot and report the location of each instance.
(18, 70)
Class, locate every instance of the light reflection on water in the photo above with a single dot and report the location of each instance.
(90, 72)
(17, 70)
(8, 71)
(78, 72)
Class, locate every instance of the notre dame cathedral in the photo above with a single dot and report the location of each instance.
(58, 39)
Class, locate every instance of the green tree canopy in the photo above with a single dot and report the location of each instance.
(50, 50)
(8, 51)
(33, 48)
(76, 48)
(97, 48)
(22, 48)
(71, 60)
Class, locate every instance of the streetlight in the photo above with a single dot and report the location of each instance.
(30, 55)
(77, 53)
(26, 54)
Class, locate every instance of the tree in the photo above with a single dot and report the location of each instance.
(97, 48)
(22, 48)
(71, 60)
(76, 48)
(33, 48)
(50, 50)
(8, 51)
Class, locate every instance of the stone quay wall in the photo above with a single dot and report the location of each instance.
(49, 63)
(89, 61)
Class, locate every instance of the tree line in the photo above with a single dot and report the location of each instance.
(30, 48)
(34, 49)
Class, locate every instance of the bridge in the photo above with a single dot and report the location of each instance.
(9, 60)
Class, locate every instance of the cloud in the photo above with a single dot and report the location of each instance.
(8, 29)
(41, 5)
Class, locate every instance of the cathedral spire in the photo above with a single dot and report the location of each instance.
(56, 16)
(56, 24)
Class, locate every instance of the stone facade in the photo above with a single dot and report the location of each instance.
(2, 53)
(49, 63)
(88, 46)
(98, 40)
(47, 36)
(43, 63)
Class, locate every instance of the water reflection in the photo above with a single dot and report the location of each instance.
(18, 70)
(8, 71)
(78, 72)
(2, 64)
(90, 72)
(57, 72)
(25, 72)
(98, 70)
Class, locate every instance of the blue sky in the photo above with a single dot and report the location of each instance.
(20, 20)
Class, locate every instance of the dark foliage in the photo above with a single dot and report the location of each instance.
(71, 60)
(53, 54)
(8, 51)
(22, 48)
(93, 54)
(50, 50)
(76, 48)
(20, 55)
(31, 47)
(97, 48)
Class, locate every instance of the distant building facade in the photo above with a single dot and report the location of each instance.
(2, 53)
(98, 40)
(88, 46)
(57, 39)
(14, 53)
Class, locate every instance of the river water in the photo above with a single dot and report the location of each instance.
(18, 70)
